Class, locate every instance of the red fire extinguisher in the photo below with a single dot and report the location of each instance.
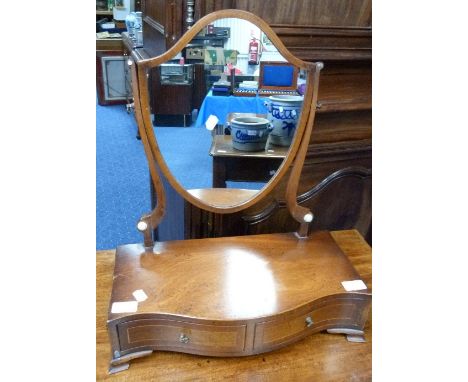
(253, 51)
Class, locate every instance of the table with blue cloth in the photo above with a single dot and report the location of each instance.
(221, 106)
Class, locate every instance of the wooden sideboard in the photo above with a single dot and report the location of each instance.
(174, 100)
(319, 357)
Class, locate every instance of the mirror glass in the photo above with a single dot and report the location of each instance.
(225, 110)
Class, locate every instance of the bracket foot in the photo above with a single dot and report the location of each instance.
(118, 368)
(122, 363)
(352, 335)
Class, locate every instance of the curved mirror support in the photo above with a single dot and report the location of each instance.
(225, 110)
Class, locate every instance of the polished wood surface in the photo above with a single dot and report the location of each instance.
(341, 130)
(242, 277)
(318, 357)
(106, 44)
(231, 296)
(222, 195)
(222, 147)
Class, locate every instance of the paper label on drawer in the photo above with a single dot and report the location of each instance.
(140, 295)
(124, 307)
(211, 122)
(353, 285)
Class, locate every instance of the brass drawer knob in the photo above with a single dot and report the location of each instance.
(184, 339)
(309, 321)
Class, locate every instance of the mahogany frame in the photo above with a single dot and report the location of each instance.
(158, 166)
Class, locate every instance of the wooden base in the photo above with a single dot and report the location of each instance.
(231, 296)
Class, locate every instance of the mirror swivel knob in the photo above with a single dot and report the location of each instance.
(308, 217)
(142, 226)
(309, 321)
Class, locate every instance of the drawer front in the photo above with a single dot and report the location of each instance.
(181, 336)
(251, 169)
(277, 332)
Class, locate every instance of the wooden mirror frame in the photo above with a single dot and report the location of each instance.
(296, 152)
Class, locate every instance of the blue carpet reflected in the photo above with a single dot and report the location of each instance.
(122, 177)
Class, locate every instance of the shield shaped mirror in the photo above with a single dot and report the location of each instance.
(224, 110)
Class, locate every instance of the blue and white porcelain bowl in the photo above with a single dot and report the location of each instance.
(249, 133)
(283, 113)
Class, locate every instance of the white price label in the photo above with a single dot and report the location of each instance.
(124, 307)
(353, 285)
(211, 122)
(140, 295)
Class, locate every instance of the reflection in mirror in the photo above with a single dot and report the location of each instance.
(225, 110)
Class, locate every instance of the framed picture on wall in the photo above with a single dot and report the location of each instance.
(267, 45)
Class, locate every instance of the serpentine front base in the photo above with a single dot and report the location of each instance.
(231, 296)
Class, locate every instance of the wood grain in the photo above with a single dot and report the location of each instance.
(231, 278)
(301, 12)
(320, 357)
(335, 184)
(319, 30)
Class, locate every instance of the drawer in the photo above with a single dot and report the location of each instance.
(181, 336)
(251, 169)
(274, 333)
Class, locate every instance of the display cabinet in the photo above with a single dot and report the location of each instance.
(172, 87)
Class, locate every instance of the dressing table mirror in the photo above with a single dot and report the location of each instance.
(233, 96)
(231, 296)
